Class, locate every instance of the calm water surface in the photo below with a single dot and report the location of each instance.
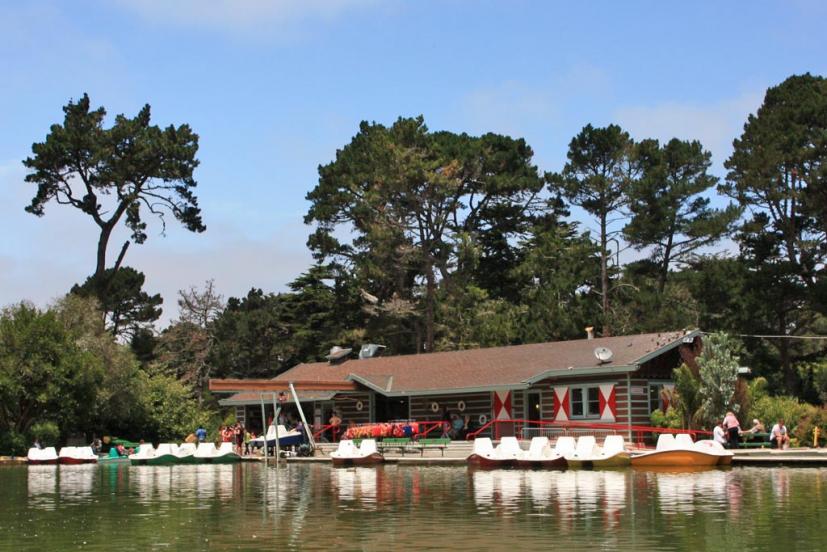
(250, 506)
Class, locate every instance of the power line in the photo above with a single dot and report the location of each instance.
(816, 337)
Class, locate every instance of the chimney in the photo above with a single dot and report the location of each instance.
(589, 332)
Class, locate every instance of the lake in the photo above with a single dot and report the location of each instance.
(315, 506)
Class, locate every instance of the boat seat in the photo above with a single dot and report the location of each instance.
(367, 447)
(585, 446)
(226, 448)
(345, 448)
(538, 447)
(613, 444)
(684, 440)
(483, 446)
(204, 450)
(186, 449)
(666, 441)
(509, 447)
(564, 446)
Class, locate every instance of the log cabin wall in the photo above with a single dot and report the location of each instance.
(476, 405)
(348, 406)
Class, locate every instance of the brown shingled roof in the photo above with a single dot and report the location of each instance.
(493, 367)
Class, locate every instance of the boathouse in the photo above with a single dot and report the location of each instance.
(608, 380)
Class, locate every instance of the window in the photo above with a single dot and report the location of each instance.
(585, 402)
(656, 397)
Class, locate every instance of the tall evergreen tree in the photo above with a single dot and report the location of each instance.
(670, 214)
(595, 178)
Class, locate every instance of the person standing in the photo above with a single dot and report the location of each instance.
(201, 434)
(733, 429)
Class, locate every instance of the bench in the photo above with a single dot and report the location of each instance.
(755, 440)
(440, 443)
(398, 443)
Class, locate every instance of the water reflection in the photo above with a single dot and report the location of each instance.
(317, 507)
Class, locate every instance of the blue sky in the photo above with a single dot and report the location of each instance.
(274, 87)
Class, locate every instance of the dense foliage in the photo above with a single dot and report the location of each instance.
(428, 241)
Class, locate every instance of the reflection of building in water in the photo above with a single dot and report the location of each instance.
(76, 482)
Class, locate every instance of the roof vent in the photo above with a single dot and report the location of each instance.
(603, 354)
(337, 353)
(370, 350)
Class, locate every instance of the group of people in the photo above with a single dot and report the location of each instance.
(729, 432)
(454, 426)
(238, 435)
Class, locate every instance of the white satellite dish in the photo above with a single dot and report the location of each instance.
(603, 354)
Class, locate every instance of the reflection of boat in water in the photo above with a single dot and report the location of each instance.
(540, 455)
(348, 454)
(42, 480)
(588, 454)
(76, 482)
(77, 455)
(501, 487)
(38, 456)
(485, 455)
(680, 451)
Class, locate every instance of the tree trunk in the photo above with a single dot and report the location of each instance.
(664, 268)
(604, 276)
(429, 305)
(103, 242)
(790, 376)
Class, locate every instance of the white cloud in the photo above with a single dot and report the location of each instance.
(239, 15)
(715, 124)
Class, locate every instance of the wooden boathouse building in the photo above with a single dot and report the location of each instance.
(618, 380)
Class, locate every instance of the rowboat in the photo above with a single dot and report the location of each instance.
(348, 454)
(485, 455)
(540, 455)
(77, 455)
(38, 456)
(588, 454)
(208, 454)
(681, 451)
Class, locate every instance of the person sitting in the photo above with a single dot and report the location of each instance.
(779, 436)
(457, 427)
(719, 435)
(757, 427)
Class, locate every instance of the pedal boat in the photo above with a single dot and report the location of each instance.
(348, 454)
(540, 455)
(588, 454)
(677, 452)
(77, 455)
(38, 456)
(504, 455)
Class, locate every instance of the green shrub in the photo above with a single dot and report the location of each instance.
(13, 443)
(804, 430)
(769, 409)
(671, 418)
(46, 432)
